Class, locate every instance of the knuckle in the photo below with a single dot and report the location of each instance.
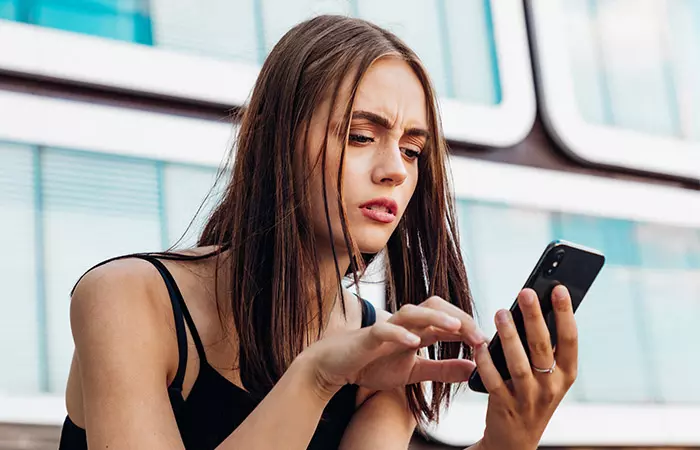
(433, 301)
(408, 308)
(548, 395)
(570, 377)
(568, 339)
(520, 372)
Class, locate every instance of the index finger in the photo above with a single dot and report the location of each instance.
(469, 328)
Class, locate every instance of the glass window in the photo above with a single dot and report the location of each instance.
(469, 46)
(19, 343)
(613, 359)
(664, 247)
(418, 22)
(278, 16)
(639, 315)
(126, 20)
(671, 300)
(607, 319)
(186, 189)
(95, 207)
(219, 28)
(618, 63)
(8, 10)
(684, 42)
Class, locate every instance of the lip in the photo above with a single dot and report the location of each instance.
(380, 216)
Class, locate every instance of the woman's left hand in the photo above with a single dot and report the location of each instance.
(518, 411)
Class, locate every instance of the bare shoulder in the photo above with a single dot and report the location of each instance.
(118, 309)
(120, 288)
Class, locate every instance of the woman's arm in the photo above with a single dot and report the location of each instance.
(383, 421)
(125, 348)
(122, 338)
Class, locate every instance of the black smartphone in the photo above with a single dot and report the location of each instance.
(562, 262)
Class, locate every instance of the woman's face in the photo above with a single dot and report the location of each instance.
(388, 131)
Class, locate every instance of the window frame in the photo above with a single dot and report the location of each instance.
(602, 145)
(40, 51)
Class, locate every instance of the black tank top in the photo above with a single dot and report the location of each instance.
(215, 406)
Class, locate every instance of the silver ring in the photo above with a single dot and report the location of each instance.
(549, 370)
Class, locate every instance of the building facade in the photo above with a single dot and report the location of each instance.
(567, 119)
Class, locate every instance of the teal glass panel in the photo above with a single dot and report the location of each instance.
(614, 237)
(640, 76)
(126, 20)
(684, 42)
(219, 28)
(607, 319)
(419, 24)
(96, 207)
(19, 331)
(189, 199)
(671, 301)
(470, 51)
(8, 9)
(279, 16)
(665, 247)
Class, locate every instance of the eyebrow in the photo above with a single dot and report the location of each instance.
(384, 123)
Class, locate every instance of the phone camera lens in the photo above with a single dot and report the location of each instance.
(553, 262)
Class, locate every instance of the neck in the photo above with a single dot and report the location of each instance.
(328, 275)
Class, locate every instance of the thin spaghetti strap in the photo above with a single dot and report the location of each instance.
(176, 297)
(175, 300)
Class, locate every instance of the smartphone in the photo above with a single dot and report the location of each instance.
(562, 262)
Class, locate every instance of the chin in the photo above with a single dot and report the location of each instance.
(371, 241)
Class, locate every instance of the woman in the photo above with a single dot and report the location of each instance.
(250, 340)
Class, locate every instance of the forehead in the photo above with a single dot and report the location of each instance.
(391, 88)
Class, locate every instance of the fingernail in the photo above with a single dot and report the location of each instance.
(451, 322)
(478, 336)
(526, 299)
(503, 316)
(559, 293)
(411, 339)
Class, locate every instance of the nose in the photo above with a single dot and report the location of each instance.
(389, 167)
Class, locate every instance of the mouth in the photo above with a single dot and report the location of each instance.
(382, 209)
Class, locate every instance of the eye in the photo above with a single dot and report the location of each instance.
(360, 139)
(411, 154)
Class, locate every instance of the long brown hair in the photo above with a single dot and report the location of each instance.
(264, 218)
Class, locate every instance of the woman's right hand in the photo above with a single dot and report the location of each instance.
(385, 355)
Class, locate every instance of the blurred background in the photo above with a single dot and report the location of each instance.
(567, 119)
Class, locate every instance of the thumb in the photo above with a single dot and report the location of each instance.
(445, 371)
